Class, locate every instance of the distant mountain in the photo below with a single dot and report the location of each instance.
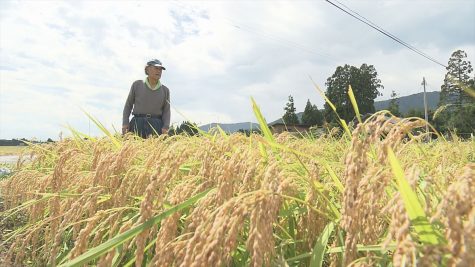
(231, 127)
(415, 101)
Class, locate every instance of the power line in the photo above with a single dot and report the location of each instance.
(374, 24)
(283, 41)
(379, 29)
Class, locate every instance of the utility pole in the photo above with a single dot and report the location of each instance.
(426, 117)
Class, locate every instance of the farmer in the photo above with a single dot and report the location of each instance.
(149, 102)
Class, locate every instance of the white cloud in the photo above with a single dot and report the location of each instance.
(59, 57)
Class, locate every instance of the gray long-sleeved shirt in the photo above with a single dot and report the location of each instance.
(144, 100)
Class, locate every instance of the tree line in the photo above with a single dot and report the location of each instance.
(455, 111)
(456, 106)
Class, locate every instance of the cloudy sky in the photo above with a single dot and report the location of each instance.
(61, 58)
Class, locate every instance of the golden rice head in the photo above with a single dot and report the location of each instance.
(457, 212)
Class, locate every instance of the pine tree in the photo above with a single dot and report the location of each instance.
(290, 117)
(457, 76)
(311, 115)
(394, 105)
(456, 105)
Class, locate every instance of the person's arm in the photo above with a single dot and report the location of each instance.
(129, 103)
(166, 113)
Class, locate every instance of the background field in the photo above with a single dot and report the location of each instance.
(11, 150)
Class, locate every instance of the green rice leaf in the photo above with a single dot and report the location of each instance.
(132, 261)
(342, 122)
(366, 248)
(424, 229)
(321, 246)
(222, 132)
(332, 174)
(262, 122)
(77, 136)
(324, 96)
(99, 125)
(354, 103)
(103, 248)
(263, 151)
(187, 167)
(345, 126)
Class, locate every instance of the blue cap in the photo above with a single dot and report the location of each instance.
(156, 63)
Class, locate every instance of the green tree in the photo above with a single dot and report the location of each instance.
(456, 105)
(365, 84)
(311, 115)
(415, 112)
(456, 120)
(457, 76)
(248, 132)
(290, 117)
(394, 104)
(419, 113)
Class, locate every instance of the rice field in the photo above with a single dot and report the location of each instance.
(11, 150)
(380, 194)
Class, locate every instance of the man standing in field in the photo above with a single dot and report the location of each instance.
(149, 102)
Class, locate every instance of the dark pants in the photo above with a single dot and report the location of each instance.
(146, 127)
